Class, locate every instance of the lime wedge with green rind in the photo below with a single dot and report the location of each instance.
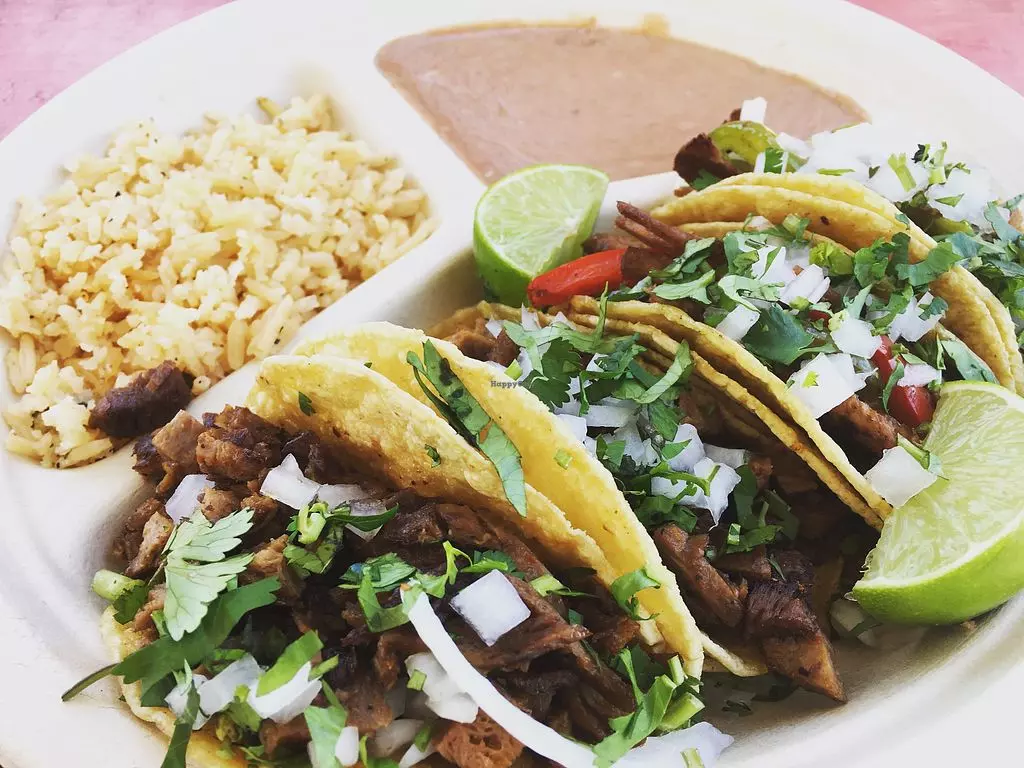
(956, 549)
(531, 221)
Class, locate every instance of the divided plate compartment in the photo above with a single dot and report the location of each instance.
(58, 524)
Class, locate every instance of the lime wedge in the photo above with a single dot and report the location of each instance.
(533, 220)
(957, 548)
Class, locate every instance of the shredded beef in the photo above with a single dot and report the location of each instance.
(155, 534)
(238, 453)
(637, 263)
(543, 632)
(684, 554)
(819, 513)
(477, 344)
(701, 154)
(269, 561)
(505, 350)
(176, 440)
(796, 568)
(147, 402)
(274, 736)
(480, 744)
(752, 565)
(367, 706)
(466, 529)
(408, 529)
(608, 241)
(654, 234)
(393, 647)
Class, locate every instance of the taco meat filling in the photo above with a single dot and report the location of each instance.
(341, 563)
(745, 551)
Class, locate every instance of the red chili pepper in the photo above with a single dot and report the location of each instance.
(912, 406)
(586, 276)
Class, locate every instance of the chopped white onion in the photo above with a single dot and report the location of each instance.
(898, 477)
(561, 319)
(494, 327)
(738, 322)
(616, 416)
(793, 145)
(394, 736)
(346, 749)
(731, 457)
(854, 337)
(919, 375)
(753, 110)
(694, 451)
(843, 363)
(459, 708)
(664, 750)
(639, 450)
(909, 325)
(414, 755)
(591, 445)
(336, 495)
(491, 606)
(177, 700)
(771, 265)
(397, 698)
(535, 736)
(366, 508)
(576, 424)
(286, 483)
(185, 499)
(529, 320)
(847, 615)
(756, 224)
(436, 682)
(759, 163)
(820, 385)
(289, 700)
(810, 285)
(722, 484)
(219, 692)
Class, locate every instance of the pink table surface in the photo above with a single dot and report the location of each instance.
(45, 45)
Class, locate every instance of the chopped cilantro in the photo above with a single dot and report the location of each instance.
(939, 260)
(951, 201)
(695, 289)
(811, 379)
(305, 404)
(894, 379)
(435, 457)
(385, 572)
(625, 588)
(465, 413)
(491, 560)
(969, 365)
(325, 725)
(178, 746)
(704, 180)
(1005, 231)
(835, 259)
(774, 160)
(416, 680)
(548, 585)
(778, 336)
(563, 458)
(898, 163)
(286, 667)
(379, 619)
(834, 171)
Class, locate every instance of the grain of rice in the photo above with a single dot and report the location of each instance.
(209, 249)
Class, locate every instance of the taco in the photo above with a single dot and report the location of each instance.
(921, 186)
(814, 329)
(717, 516)
(332, 576)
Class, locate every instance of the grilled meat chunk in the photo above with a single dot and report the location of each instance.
(238, 447)
(393, 648)
(871, 429)
(701, 154)
(143, 621)
(465, 528)
(147, 461)
(480, 744)
(638, 262)
(364, 698)
(409, 529)
(752, 565)
(150, 400)
(129, 538)
(478, 343)
(775, 609)
(608, 241)
(176, 440)
(155, 534)
(807, 661)
(684, 554)
(216, 503)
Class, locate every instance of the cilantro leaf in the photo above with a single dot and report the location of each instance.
(969, 365)
(192, 587)
(1005, 231)
(548, 585)
(624, 589)
(491, 560)
(385, 571)
(465, 413)
(752, 288)
(835, 259)
(778, 336)
(435, 457)
(695, 289)
(290, 662)
(305, 404)
(939, 260)
(379, 619)
(165, 655)
(196, 539)
(319, 559)
(325, 725)
(680, 368)
(178, 746)
(704, 180)
(630, 730)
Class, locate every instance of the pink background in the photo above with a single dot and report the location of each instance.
(45, 45)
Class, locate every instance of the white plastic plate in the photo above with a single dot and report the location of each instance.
(950, 701)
